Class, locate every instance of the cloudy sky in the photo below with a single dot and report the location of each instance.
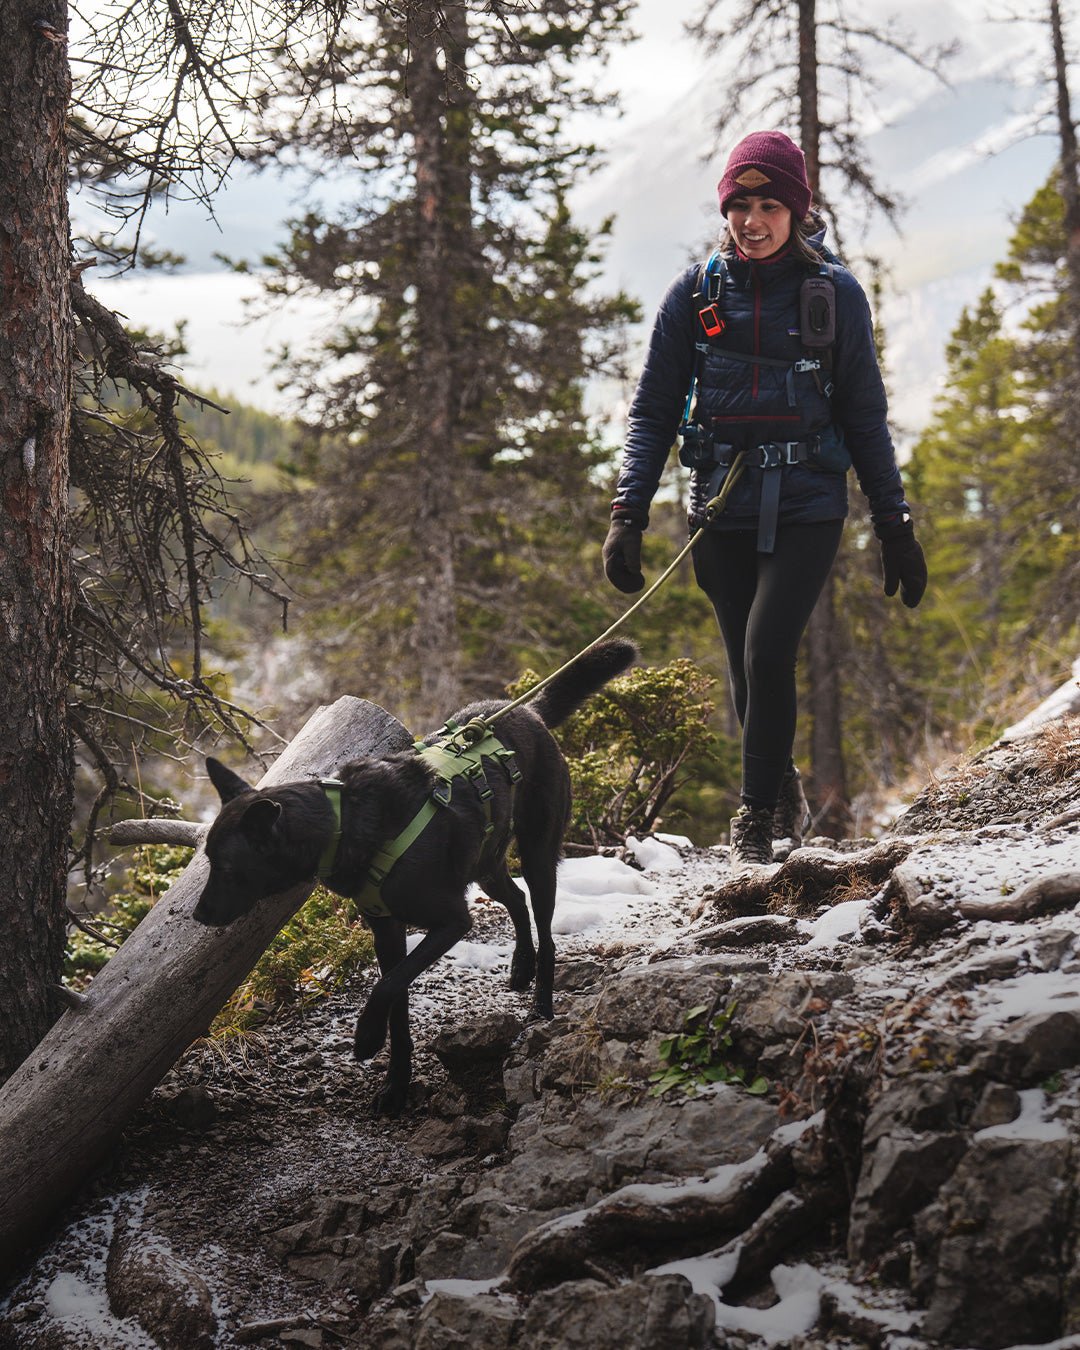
(959, 156)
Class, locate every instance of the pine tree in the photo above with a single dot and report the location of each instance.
(996, 479)
(450, 471)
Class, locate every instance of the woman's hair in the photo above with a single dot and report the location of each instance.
(798, 242)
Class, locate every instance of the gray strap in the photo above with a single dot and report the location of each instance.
(769, 511)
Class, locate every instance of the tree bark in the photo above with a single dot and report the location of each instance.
(67, 1104)
(437, 640)
(36, 771)
(809, 116)
(1070, 195)
(828, 774)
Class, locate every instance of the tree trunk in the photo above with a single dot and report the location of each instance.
(437, 641)
(828, 775)
(1070, 194)
(36, 773)
(828, 781)
(809, 116)
(66, 1105)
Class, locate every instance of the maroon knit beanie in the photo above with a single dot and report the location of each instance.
(767, 164)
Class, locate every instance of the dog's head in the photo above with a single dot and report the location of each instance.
(245, 849)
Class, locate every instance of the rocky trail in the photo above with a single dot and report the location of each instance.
(904, 1176)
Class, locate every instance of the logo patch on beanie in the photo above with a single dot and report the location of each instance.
(752, 178)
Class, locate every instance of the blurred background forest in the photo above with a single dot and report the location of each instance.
(429, 498)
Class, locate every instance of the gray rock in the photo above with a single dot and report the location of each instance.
(170, 1300)
(346, 1242)
(564, 1151)
(659, 1312)
(640, 1001)
(998, 1104)
(989, 1251)
(900, 1175)
(478, 1321)
(1029, 1050)
(748, 930)
(481, 1038)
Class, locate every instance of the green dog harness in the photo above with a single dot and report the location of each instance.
(457, 754)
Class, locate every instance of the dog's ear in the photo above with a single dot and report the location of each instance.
(228, 784)
(259, 819)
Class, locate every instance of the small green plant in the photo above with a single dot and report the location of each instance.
(694, 1057)
(311, 955)
(154, 870)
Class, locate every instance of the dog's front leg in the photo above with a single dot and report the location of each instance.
(389, 937)
(372, 1022)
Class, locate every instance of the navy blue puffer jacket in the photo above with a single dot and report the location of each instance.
(748, 404)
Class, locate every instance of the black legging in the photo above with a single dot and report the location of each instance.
(763, 603)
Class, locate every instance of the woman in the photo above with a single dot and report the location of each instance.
(768, 350)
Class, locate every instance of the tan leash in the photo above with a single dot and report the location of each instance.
(712, 510)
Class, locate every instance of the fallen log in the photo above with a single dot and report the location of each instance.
(66, 1104)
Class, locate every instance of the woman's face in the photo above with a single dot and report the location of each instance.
(759, 225)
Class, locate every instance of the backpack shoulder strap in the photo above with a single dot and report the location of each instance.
(708, 298)
(709, 294)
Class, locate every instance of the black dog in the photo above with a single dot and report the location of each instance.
(263, 842)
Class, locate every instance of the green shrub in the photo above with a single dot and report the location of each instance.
(635, 745)
(319, 947)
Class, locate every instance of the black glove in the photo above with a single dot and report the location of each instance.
(902, 561)
(622, 550)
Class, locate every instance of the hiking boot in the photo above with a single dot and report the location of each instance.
(751, 838)
(792, 815)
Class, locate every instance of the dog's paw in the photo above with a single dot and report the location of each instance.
(369, 1039)
(542, 1006)
(390, 1099)
(522, 970)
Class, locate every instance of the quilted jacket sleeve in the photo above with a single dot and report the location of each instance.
(859, 402)
(660, 397)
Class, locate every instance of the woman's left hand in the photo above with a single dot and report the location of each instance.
(902, 560)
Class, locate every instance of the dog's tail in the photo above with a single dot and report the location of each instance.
(583, 678)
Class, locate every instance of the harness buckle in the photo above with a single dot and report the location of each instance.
(803, 366)
(443, 791)
(770, 454)
(775, 453)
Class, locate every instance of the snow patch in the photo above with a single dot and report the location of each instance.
(1061, 703)
(601, 876)
(1031, 1123)
(839, 924)
(653, 855)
